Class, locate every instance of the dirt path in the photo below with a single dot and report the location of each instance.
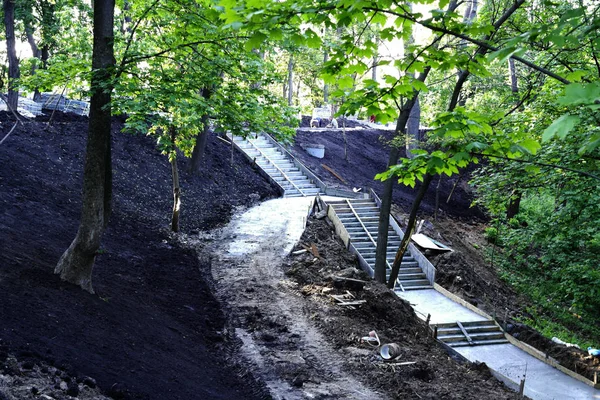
(289, 353)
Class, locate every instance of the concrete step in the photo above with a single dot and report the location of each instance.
(363, 234)
(412, 276)
(281, 165)
(370, 258)
(465, 324)
(478, 343)
(475, 336)
(423, 287)
(414, 282)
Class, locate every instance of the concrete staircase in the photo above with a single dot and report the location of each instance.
(458, 334)
(277, 165)
(360, 218)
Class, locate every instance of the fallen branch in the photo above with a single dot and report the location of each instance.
(11, 131)
(225, 140)
(334, 173)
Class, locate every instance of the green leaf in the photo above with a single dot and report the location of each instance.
(560, 127)
(577, 93)
(532, 146)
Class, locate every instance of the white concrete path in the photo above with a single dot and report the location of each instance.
(542, 382)
(440, 307)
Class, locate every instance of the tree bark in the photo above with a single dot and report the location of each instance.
(409, 229)
(514, 204)
(412, 129)
(13, 61)
(37, 53)
(290, 93)
(176, 187)
(384, 221)
(514, 86)
(388, 187)
(77, 262)
(325, 86)
(201, 139)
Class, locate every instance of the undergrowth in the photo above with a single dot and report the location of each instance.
(544, 255)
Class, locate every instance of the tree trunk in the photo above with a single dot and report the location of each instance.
(13, 61)
(201, 139)
(412, 129)
(325, 86)
(77, 262)
(409, 229)
(176, 187)
(514, 204)
(290, 93)
(388, 186)
(514, 87)
(384, 222)
(37, 53)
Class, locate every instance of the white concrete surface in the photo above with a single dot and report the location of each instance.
(542, 382)
(441, 308)
(283, 218)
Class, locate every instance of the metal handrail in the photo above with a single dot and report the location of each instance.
(371, 237)
(275, 165)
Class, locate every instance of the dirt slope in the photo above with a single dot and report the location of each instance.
(153, 327)
(432, 376)
(368, 152)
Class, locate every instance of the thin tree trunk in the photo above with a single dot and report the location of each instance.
(325, 86)
(388, 186)
(514, 86)
(37, 53)
(77, 262)
(374, 68)
(13, 61)
(290, 93)
(201, 139)
(409, 229)
(176, 187)
(412, 129)
(384, 221)
(514, 204)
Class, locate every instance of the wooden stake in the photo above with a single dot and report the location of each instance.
(522, 389)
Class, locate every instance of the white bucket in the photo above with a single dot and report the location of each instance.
(315, 150)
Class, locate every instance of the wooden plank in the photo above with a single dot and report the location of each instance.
(334, 173)
(464, 331)
(462, 302)
(428, 243)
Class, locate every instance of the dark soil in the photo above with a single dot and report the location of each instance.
(153, 329)
(434, 375)
(465, 272)
(368, 153)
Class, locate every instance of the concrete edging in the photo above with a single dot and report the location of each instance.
(257, 167)
(462, 302)
(326, 189)
(532, 351)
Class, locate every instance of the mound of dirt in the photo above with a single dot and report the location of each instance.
(366, 154)
(429, 373)
(154, 328)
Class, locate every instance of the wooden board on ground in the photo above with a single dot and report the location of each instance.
(428, 243)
